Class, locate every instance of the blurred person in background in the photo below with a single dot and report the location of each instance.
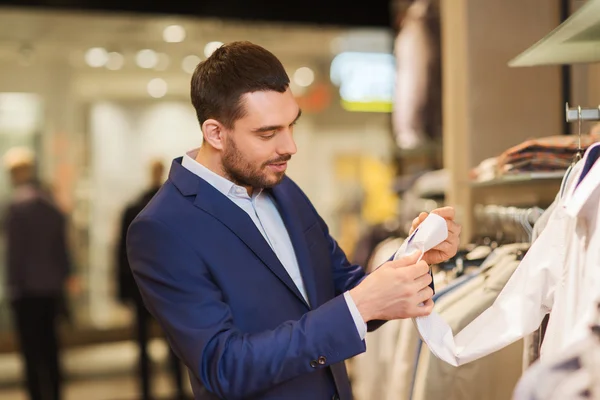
(129, 293)
(39, 269)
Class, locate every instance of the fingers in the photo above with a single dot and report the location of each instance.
(454, 228)
(406, 261)
(419, 269)
(446, 247)
(417, 221)
(423, 281)
(445, 212)
(424, 294)
(425, 309)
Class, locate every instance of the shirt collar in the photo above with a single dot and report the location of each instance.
(579, 195)
(223, 185)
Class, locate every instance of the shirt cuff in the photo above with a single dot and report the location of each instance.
(361, 326)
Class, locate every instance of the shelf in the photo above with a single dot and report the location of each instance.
(534, 177)
(577, 40)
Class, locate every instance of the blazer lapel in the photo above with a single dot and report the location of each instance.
(289, 214)
(220, 207)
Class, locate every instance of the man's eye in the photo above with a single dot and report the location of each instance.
(268, 136)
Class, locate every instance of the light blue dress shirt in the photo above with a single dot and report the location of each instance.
(265, 215)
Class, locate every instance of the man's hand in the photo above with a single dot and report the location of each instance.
(449, 247)
(397, 289)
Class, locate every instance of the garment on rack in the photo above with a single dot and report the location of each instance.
(560, 274)
(417, 108)
(572, 375)
(532, 343)
(435, 379)
(406, 351)
(406, 348)
(371, 378)
(543, 154)
(372, 367)
(487, 170)
(547, 154)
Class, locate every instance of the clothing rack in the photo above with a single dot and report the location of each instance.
(507, 224)
(582, 114)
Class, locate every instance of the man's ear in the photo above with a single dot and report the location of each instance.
(213, 132)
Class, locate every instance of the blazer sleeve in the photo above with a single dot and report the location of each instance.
(178, 290)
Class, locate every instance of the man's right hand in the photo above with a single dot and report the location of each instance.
(398, 289)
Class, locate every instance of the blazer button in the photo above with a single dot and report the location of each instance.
(313, 364)
(322, 360)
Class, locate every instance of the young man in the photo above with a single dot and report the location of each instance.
(231, 257)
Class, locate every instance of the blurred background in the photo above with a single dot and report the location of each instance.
(402, 102)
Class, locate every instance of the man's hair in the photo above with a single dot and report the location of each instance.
(234, 69)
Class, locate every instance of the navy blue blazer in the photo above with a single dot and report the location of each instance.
(230, 310)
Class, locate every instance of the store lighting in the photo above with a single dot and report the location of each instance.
(174, 34)
(304, 77)
(366, 80)
(115, 61)
(146, 58)
(157, 88)
(96, 57)
(163, 62)
(190, 63)
(211, 47)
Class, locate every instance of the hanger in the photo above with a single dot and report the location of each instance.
(579, 154)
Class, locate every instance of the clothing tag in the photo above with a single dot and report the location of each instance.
(429, 234)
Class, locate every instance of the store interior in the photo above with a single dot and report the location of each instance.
(470, 112)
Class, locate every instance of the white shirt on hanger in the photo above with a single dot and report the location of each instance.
(560, 274)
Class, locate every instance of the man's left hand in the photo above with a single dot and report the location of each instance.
(449, 247)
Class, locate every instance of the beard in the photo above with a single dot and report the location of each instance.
(241, 172)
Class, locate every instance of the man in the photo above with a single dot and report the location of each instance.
(128, 290)
(234, 261)
(38, 268)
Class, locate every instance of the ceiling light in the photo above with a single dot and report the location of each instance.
(174, 34)
(157, 88)
(211, 47)
(96, 57)
(115, 61)
(146, 58)
(304, 76)
(190, 63)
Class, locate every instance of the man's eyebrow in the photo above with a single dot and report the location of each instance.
(269, 128)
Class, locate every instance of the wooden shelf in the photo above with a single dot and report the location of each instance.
(518, 179)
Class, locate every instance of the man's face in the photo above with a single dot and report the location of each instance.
(256, 150)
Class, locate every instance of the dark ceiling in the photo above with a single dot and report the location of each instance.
(375, 13)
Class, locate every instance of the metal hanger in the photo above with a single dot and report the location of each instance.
(579, 154)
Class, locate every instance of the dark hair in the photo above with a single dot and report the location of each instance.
(231, 71)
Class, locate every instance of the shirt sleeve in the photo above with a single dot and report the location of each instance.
(519, 309)
(360, 323)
